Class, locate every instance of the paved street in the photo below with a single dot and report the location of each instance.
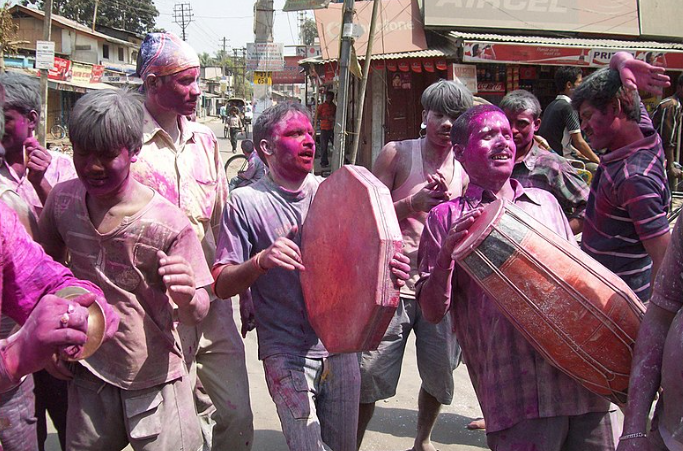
(393, 426)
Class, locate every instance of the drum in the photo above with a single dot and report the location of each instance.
(575, 312)
(348, 239)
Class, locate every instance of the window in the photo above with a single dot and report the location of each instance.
(105, 51)
(120, 53)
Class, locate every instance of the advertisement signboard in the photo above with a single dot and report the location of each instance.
(398, 28)
(292, 73)
(587, 16)
(265, 56)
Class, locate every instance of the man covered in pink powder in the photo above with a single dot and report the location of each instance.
(28, 168)
(316, 393)
(142, 251)
(528, 404)
(181, 161)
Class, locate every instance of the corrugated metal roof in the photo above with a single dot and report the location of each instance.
(568, 42)
(434, 52)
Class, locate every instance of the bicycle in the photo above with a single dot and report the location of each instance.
(58, 129)
(236, 163)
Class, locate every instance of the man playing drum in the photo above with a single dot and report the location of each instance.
(316, 393)
(626, 228)
(420, 173)
(528, 404)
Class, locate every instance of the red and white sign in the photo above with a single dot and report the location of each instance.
(481, 51)
(490, 87)
(61, 70)
(292, 73)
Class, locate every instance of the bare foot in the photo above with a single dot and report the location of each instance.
(479, 423)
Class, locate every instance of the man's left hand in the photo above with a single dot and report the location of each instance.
(637, 74)
(38, 160)
(400, 268)
(178, 278)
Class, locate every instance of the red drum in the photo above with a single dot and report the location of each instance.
(579, 315)
(348, 240)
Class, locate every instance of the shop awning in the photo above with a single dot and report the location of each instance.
(442, 51)
(518, 49)
(74, 86)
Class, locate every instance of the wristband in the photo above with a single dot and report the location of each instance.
(633, 435)
(256, 262)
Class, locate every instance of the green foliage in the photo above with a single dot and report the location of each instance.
(138, 16)
(309, 31)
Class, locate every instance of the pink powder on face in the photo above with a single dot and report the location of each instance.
(178, 92)
(294, 146)
(490, 152)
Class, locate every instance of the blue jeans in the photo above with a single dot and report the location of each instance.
(316, 400)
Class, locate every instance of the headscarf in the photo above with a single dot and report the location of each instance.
(164, 54)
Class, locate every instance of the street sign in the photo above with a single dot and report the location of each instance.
(265, 56)
(302, 5)
(45, 54)
(263, 78)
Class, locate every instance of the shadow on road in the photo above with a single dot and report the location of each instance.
(450, 429)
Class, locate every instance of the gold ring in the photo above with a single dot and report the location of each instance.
(64, 320)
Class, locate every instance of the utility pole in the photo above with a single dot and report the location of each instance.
(182, 15)
(263, 33)
(94, 15)
(47, 34)
(302, 18)
(343, 94)
(225, 44)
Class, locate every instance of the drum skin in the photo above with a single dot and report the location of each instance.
(575, 312)
(348, 240)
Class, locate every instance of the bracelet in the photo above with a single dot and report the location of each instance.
(633, 435)
(256, 262)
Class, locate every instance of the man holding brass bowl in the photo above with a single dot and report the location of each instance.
(31, 284)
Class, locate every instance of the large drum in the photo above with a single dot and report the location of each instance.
(579, 315)
(348, 239)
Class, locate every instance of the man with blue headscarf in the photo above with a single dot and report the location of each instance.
(181, 161)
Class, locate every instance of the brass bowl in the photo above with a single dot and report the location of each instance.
(96, 323)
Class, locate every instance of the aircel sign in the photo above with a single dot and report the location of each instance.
(604, 16)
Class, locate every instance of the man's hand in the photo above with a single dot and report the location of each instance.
(637, 74)
(458, 232)
(283, 253)
(54, 325)
(178, 278)
(247, 316)
(400, 269)
(432, 194)
(38, 160)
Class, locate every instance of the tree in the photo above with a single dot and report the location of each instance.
(206, 60)
(8, 30)
(309, 31)
(138, 16)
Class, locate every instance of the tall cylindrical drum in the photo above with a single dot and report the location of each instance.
(575, 312)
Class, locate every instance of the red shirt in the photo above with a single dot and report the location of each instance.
(326, 114)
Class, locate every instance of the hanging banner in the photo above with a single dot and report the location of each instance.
(61, 70)
(428, 65)
(96, 74)
(81, 73)
(416, 67)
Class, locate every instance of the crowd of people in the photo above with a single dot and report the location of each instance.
(144, 223)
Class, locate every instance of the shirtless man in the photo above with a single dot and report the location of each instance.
(421, 173)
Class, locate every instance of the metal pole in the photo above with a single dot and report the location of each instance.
(343, 94)
(47, 34)
(364, 83)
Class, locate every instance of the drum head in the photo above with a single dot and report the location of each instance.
(349, 237)
(480, 229)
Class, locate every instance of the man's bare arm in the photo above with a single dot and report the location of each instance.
(656, 248)
(583, 148)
